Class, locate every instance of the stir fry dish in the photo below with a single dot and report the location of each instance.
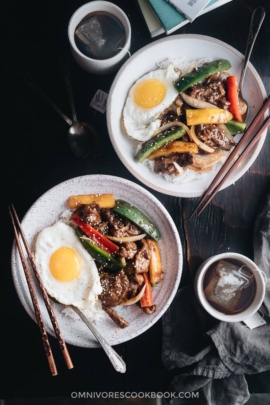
(196, 130)
(124, 244)
(100, 254)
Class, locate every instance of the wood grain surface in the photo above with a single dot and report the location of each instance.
(35, 157)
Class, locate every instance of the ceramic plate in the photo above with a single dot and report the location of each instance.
(46, 210)
(191, 47)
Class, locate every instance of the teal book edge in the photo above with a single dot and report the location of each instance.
(170, 18)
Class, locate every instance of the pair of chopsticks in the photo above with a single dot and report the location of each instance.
(16, 224)
(235, 158)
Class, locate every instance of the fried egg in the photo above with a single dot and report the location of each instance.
(147, 99)
(68, 272)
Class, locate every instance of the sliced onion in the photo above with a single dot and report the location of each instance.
(179, 102)
(225, 130)
(193, 137)
(198, 170)
(204, 161)
(168, 126)
(242, 106)
(190, 67)
(86, 238)
(178, 168)
(133, 300)
(126, 238)
(194, 102)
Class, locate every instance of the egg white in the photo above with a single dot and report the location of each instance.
(81, 292)
(141, 123)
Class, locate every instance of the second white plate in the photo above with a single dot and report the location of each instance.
(191, 47)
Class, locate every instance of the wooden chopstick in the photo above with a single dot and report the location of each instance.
(46, 299)
(218, 181)
(40, 322)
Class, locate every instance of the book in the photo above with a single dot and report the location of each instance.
(171, 19)
(152, 21)
(189, 8)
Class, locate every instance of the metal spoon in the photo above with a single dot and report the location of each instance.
(117, 361)
(257, 18)
(114, 357)
(85, 142)
(81, 136)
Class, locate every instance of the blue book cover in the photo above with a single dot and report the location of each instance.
(171, 19)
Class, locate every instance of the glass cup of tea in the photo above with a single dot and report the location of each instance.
(99, 33)
(230, 287)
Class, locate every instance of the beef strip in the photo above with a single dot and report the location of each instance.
(103, 228)
(114, 220)
(89, 213)
(149, 310)
(213, 91)
(130, 229)
(185, 138)
(118, 226)
(115, 317)
(142, 259)
(168, 116)
(114, 288)
(212, 136)
(135, 283)
(164, 164)
(128, 250)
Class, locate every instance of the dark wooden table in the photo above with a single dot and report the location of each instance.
(35, 157)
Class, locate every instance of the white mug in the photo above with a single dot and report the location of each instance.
(97, 66)
(259, 293)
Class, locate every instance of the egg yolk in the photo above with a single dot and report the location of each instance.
(149, 93)
(65, 264)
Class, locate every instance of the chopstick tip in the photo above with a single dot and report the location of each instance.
(193, 213)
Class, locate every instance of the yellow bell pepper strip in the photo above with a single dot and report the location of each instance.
(147, 299)
(208, 116)
(103, 200)
(155, 267)
(232, 94)
(175, 147)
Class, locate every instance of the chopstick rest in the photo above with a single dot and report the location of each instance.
(235, 158)
(46, 299)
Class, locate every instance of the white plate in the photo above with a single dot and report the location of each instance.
(47, 209)
(191, 47)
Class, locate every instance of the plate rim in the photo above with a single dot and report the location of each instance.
(17, 274)
(153, 186)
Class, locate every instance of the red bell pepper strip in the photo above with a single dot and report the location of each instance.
(232, 94)
(94, 235)
(147, 299)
